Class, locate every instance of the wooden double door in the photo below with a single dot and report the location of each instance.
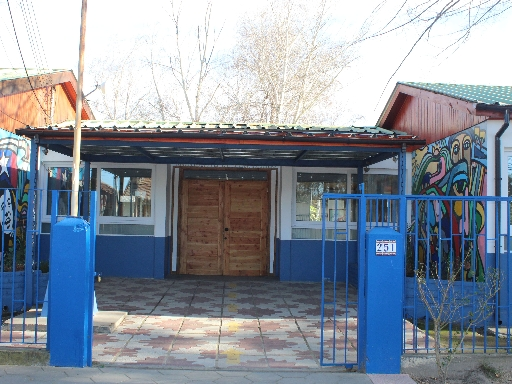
(224, 227)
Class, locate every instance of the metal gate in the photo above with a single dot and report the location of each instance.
(440, 233)
(340, 305)
(343, 270)
(24, 259)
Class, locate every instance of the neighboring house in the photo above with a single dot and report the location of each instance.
(218, 199)
(31, 98)
(468, 153)
(461, 125)
(28, 98)
(37, 98)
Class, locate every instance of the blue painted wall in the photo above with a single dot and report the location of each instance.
(413, 306)
(149, 257)
(301, 260)
(127, 256)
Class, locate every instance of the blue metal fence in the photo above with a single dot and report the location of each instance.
(339, 303)
(462, 242)
(24, 266)
(460, 248)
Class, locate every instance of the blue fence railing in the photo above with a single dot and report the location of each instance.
(459, 249)
(456, 245)
(24, 262)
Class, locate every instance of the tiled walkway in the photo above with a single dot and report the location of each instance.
(214, 323)
(219, 323)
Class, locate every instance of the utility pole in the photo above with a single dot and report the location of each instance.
(77, 138)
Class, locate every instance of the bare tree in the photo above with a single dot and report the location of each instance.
(453, 20)
(125, 95)
(285, 66)
(289, 64)
(131, 91)
(191, 64)
(161, 100)
(446, 304)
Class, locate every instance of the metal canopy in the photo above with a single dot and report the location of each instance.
(224, 144)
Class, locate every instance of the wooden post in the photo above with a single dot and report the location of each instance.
(77, 138)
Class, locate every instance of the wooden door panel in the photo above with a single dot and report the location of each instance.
(201, 227)
(246, 224)
(209, 206)
(246, 217)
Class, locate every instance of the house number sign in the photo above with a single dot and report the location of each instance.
(385, 247)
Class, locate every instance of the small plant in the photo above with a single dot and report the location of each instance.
(445, 303)
(44, 266)
(410, 251)
(489, 371)
(12, 261)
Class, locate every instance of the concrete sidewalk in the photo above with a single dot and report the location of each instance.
(25, 374)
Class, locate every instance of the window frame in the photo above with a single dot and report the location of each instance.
(307, 223)
(347, 225)
(43, 180)
(123, 219)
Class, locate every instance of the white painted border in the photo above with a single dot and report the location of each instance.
(174, 224)
(158, 178)
(286, 191)
(272, 238)
(175, 189)
(290, 194)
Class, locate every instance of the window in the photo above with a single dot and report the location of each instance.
(309, 189)
(308, 196)
(60, 179)
(125, 192)
(377, 210)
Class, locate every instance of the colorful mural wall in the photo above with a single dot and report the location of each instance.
(454, 166)
(14, 185)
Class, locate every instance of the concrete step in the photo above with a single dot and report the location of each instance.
(103, 321)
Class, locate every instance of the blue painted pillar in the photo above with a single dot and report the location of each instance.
(30, 234)
(384, 294)
(71, 294)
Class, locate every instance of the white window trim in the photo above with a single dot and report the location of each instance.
(347, 171)
(121, 219)
(43, 181)
(507, 154)
(315, 224)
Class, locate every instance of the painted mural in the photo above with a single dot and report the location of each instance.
(14, 185)
(454, 166)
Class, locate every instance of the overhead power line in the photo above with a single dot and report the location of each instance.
(23, 60)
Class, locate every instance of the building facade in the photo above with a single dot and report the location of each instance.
(245, 200)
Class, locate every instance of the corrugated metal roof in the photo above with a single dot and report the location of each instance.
(170, 142)
(224, 128)
(487, 94)
(18, 73)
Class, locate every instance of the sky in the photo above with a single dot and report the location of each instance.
(483, 59)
